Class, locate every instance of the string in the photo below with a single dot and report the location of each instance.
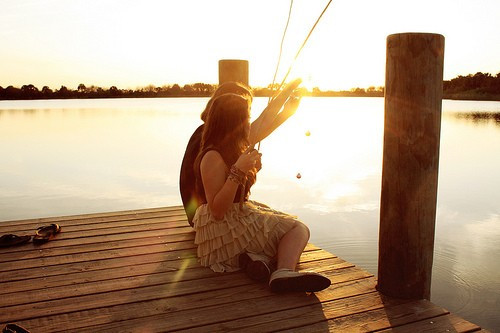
(279, 60)
(302, 46)
(281, 49)
(296, 55)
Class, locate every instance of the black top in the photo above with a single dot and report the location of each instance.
(187, 181)
(200, 191)
(193, 197)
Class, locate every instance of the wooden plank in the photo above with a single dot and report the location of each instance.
(336, 276)
(126, 296)
(85, 248)
(138, 294)
(154, 278)
(289, 319)
(92, 218)
(158, 224)
(55, 219)
(87, 320)
(57, 243)
(446, 323)
(175, 220)
(64, 269)
(96, 255)
(270, 306)
(104, 286)
(116, 267)
(316, 255)
(379, 319)
(69, 279)
(61, 240)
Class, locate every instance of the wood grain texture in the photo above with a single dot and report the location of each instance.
(233, 70)
(413, 94)
(127, 277)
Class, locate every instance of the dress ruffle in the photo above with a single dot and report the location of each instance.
(253, 228)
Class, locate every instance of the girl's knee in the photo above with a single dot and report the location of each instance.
(304, 228)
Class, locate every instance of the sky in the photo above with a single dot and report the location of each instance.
(132, 44)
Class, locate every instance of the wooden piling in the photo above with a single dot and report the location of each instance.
(233, 70)
(413, 95)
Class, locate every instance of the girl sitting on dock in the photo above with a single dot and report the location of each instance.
(231, 229)
(269, 120)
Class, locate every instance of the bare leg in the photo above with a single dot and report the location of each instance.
(258, 267)
(292, 245)
(285, 278)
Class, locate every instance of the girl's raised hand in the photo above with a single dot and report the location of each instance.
(292, 104)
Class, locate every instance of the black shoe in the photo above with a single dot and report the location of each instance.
(256, 269)
(13, 240)
(14, 328)
(287, 280)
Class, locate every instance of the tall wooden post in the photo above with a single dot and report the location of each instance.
(413, 94)
(233, 70)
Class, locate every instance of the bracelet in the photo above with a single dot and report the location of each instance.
(237, 179)
(232, 178)
(237, 176)
(236, 171)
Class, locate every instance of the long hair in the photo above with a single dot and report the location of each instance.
(230, 87)
(226, 126)
(226, 130)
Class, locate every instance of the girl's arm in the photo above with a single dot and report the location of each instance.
(219, 189)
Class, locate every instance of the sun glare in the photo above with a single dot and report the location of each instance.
(318, 143)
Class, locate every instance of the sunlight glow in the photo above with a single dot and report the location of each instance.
(130, 44)
(180, 272)
(330, 175)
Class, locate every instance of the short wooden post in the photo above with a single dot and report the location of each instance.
(233, 70)
(413, 95)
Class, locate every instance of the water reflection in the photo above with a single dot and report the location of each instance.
(62, 157)
(101, 157)
(342, 151)
(480, 117)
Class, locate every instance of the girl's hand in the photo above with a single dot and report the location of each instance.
(247, 160)
(292, 104)
(258, 163)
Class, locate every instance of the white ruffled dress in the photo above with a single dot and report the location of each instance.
(250, 228)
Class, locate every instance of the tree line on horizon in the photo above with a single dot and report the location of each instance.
(188, 90)
(478, 86)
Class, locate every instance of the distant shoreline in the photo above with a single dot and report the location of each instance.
(472, 97)
(477, 87)
(449, 96)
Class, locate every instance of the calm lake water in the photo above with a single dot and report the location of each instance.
(63, 157)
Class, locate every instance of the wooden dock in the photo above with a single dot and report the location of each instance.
(136, 271)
